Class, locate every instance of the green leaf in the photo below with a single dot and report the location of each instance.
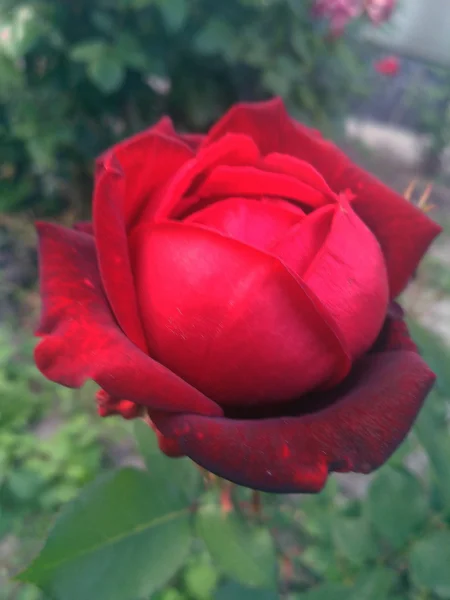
(177, 475)
(123, 537)
(200, 580)
(435, 352)
(318, 559)
(128, 51)
(431, 431)
(325, 591)
(106, 73)
(89, 51)
(234, 591)
(243, 552)
(215, 37)
(373, 585)
(398, 457)
(429, 562)
(169, 594)
(353, 539)
(397, 505)
(174, 13)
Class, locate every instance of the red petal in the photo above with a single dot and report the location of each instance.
(260, 224)
(348, 275)
(164, 126)
(226, 181)
(298, 248)
(112, 249)
(82, 340)
(107, 406)
(229, 319)
(147, 160)
(169, 446)
(295, 454)
(403, 231)
(127, 176)
(267, 123)
(395, 334)
(300, 169)
(85, 227)
(193, 140)
(230, 150)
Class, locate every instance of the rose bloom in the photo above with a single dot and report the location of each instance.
(236, 289)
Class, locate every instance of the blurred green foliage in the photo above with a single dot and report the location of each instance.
(389, 541)
(50, 446)
(432, 102)
(386, 538)
(75, 77)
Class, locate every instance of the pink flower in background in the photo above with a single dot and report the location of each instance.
(389, 66)
(338, 12)
(380, 11)
(341, 12)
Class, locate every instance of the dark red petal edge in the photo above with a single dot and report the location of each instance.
(85, 227)
(81, 339)
(295, 454)
(394, 334)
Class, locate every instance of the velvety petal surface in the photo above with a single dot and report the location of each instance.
(81, 339)
(111, 244)
(148, 160)
(258, 223)
(358, 432)
(403, 231)
(226, 180)
(85, 227)
(348, 275)
(229, 319)
(127, 178)
(231, 150)
(394, 334)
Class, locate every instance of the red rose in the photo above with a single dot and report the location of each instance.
(238, 288)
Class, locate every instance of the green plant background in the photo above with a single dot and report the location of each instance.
(77, 76)
(74, 78)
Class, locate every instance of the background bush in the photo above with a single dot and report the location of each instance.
(76, 77)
